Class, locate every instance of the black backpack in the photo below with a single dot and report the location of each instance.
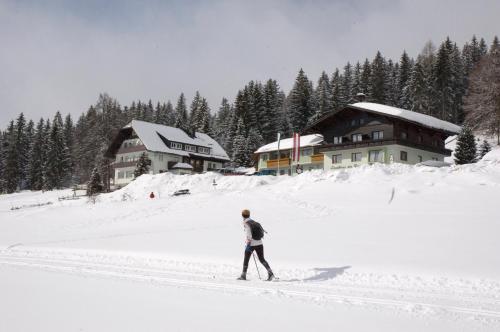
(256, 229)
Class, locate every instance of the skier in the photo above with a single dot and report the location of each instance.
(251, 245)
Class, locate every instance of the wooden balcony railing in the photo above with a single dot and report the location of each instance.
(283, 162)
(317, 158)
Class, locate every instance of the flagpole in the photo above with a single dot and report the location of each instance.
(279, 136)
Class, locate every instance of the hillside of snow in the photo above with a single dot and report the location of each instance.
(399, 247)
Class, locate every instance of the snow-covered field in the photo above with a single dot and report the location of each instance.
(379, 248)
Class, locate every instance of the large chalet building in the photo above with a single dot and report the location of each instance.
(364, 133)
(169, 149)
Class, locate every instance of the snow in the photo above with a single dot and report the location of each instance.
(148, 133)
(396, 247)
(183, 166)
(287, 143)
(426, 120)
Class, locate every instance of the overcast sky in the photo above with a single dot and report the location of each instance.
(59, 55)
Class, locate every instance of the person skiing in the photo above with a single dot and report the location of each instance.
(251, 245)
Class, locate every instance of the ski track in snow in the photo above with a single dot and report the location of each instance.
(441, 297)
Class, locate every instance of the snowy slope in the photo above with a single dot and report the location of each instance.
(397, 247)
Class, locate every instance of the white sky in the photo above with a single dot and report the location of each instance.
(62, 54)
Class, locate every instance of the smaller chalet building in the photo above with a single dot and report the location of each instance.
(169, 149)
(310, 157)
(366, 133)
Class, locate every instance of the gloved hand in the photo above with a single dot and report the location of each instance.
(248, 248)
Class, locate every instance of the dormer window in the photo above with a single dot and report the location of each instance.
(337, 140)
(175, 145)
(357, 137)
(190, 148)
(378, 135)
(204, 150)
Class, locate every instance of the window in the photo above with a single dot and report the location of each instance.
(274, 155)
(434, 158)
(361, 121)
(175, 145)
(353, 122)
(190, 148)
(160, 157)
(420, 139)
(404, 135)
(356, 156)
(337, 140)
(204, 150)
(306, 152)
(376, 156)
(378, 135)
(403, 156)
(419, 159)
(264, 156)
(121, 174)
(357, 137)
(337, 159)
(129, 174)
(434, 142)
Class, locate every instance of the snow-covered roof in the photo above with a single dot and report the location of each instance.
(148, 134)
(182, 166)
(287, 143)
(425, 120)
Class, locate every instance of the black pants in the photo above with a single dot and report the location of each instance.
(260, 253)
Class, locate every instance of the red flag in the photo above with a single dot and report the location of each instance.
(296, 147)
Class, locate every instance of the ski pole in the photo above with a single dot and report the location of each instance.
(253, 254)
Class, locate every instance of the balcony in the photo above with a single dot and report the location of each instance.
(317, 158)
(283, 162)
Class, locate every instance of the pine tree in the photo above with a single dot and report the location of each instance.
(2, 161)
(94, 186)
(444, 81)
(253, 142)
(366, 84)
(11, 170)
(300, 104)
(465, 152)
(181, 118)
(404, 80)
(201, 123)
(335, 86)
(222, 124)
(240, 151)
(484, 148)
(323, 97)
(273, 105)
(22, 146)
(142, 166)
(356, 80)
(194, 117)
(35, 165)
(58, 159)
(345, 93)
(391, 84)
(378, 79)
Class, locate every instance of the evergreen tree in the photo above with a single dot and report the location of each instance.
(181, 114)
(366, 84)
(484, 148)
(444, 81)
(323, 97)
(378, 79)
(253, 142)
(2, 162)
(404, 81)
(94, 186)
(202, 124)
(22, 147)
(222, 125)
(335, 86)
(11, 170)
(465, 152)
(29, 136)
(418, 90)
(69, 133)
(300, 105)
(35, 168)
(391, 84)
(356, 80)
(58, 160)
(240, 155)
(181, 118)
(142, 166)
(273, 105)
(345, 93)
